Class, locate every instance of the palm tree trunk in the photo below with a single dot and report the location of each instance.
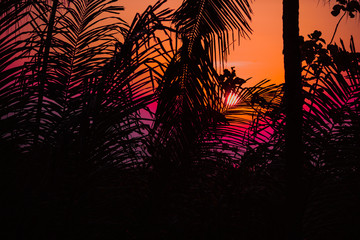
(293, 104)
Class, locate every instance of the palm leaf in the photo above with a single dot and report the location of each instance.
(331, 105)
(211, 20)
(13, 51)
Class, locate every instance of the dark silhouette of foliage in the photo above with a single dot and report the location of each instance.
(347, 6)
(72, 104)
(191, 100)
(86, 156)
(330, 135)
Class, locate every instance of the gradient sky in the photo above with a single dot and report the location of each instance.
(261, 56)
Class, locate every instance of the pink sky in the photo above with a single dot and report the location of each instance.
(261, 56)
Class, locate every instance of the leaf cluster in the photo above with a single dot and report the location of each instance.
(350, 7)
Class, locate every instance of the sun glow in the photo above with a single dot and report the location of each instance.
(232, 99)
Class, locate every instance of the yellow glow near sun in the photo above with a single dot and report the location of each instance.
(232, 99)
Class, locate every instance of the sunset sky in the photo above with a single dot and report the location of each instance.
(261, 56)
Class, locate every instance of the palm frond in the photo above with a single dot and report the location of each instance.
(13, 52)
(212, 20)
(331, 107)
(99, 80)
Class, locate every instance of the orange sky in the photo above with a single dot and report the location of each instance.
(261, 56)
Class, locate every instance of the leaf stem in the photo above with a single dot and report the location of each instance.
(337, 25)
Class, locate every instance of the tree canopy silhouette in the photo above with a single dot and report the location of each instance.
(113, 129)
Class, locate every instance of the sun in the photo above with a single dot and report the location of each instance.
(232, 99)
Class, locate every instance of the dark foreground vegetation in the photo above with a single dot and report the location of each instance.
(117, 131)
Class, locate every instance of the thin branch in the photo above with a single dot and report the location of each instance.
(337, 25)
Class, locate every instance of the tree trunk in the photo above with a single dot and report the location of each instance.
(293, 131)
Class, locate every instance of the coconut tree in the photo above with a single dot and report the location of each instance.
(203, 29)
(75, 80)
(182, 145)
